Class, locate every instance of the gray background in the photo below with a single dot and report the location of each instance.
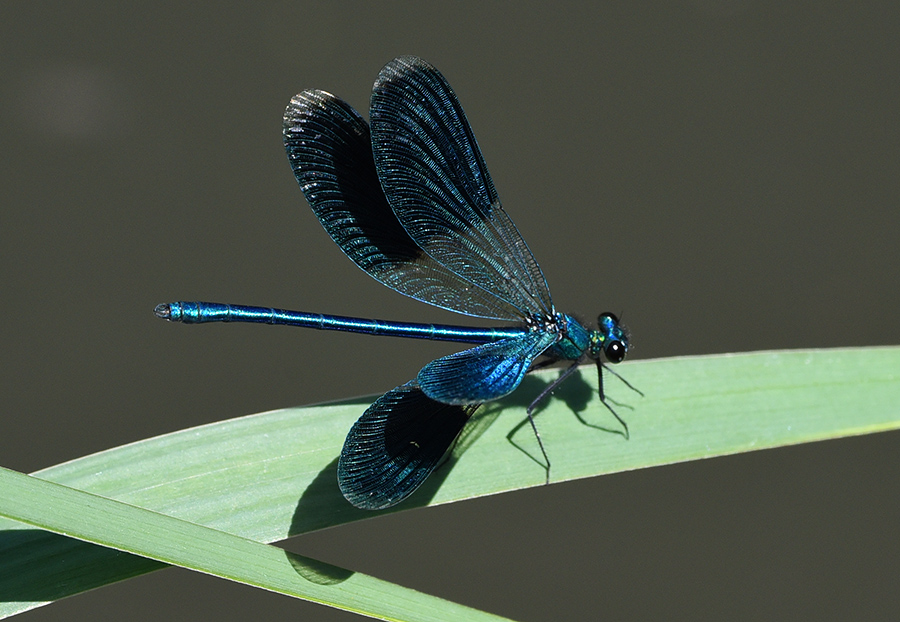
(723, 174)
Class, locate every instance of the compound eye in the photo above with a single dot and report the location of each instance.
(615, 351)
(609, 316)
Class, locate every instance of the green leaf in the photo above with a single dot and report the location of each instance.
(165, 539)
(270, 476)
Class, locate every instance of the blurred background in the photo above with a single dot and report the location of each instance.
(725, 175)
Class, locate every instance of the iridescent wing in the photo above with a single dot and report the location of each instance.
(483, 373)
(330, 151)
(436, 181)
(395, 445)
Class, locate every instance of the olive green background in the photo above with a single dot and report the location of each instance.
(723, 175)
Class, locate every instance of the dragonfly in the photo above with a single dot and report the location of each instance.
(409, 199)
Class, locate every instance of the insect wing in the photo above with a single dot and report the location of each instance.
(395, 445)
(330, 151)
(436, 181)
(485, 372)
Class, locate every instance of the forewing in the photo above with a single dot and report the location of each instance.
(329, 147)
(395, 445)
(485, 372)
(435, 179)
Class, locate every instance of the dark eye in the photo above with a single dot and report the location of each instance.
(611, 316)
(615, 351)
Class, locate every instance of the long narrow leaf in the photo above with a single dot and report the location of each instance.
(269, 476)
(170, 540)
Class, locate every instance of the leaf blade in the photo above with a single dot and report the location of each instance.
(134, 530)
(269, 476)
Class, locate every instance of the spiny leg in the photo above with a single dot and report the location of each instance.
(623, 381)
(540, 398)
(600, 367)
